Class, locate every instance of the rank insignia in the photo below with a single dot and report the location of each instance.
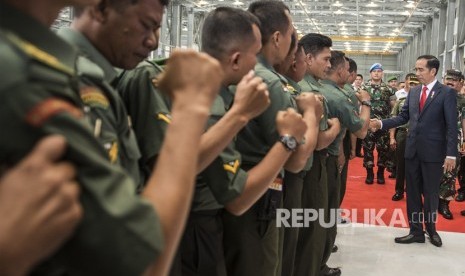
(112, 149)
(231, 166)
(94, 97)
(164, 117)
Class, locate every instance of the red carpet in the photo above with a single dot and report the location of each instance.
(372, 204)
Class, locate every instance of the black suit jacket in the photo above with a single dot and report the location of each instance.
(432, 133)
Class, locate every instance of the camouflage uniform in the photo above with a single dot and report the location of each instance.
(447, 184)
(380, 109)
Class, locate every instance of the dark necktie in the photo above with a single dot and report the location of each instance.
(423, 97)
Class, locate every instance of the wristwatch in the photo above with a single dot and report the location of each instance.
(289, 142)
(367, 103)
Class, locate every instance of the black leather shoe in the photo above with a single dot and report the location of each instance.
(335, 249)
(462, 213)
(332, 272)
(397, 196)
(370, 176)
(444, 209)
(380, 176)
(435, 239)
(410, 238)
(460, 197)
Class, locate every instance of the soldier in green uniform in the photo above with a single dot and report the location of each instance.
(293, 69)
(251, 240)
(109, 118)
(350, 140)
(232, 36)
(311, 240)
(39, 69)
(398, 138)
(392, 83)
(341, 106)
(380, 109)
(453, 78)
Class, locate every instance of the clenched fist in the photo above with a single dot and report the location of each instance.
(252, 96)
(290, 122)
(363, 95)
(310, 102)
(191, 77)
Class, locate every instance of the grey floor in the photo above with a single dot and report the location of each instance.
(371, 250)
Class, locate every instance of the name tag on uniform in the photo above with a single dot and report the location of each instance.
(277, 184)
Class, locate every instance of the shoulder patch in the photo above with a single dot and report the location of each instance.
(231, 166)
(94, 97)
(164, 117)
(39, 54)
(41, 112)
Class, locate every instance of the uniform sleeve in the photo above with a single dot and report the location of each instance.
(120, 233)
(280, 101)
(148, 109)
(349, 116)
(224, 176)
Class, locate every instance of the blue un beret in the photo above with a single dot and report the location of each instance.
(376, 66)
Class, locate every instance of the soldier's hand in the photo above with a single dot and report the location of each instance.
(39, 205)
(375, 124)
(252, 96)
(334, 123)
(363, 95)
(310, 102)
(192, 78)
(392, 143)
(290, 122)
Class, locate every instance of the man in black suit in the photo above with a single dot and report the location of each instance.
(431, 146)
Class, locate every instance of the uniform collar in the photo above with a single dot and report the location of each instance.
(89, 51)
(34, 32)
(311, 80)
(228, 97)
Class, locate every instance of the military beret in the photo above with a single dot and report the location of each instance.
(376, 66)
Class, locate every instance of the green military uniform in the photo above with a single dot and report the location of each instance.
(311, 241)
(38, 97)
(447, 184)
(347, 144)
(201, 247)
(149, 109)
(461, 171)
(380, 109)
(251, 241)
(401, 138)
(341, 106)
(109, 118)
(292, 199)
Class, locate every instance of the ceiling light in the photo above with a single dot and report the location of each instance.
(342, 23)
(407, 13)
(203, 2)
(371, 12)
(410, 5)
(238, 3)
(370, 25)
(338, 12)
(343, 28)
(337, 4)
(370, 20)
(369, 29)
(345, 36)
(396, 30)
(372, 5)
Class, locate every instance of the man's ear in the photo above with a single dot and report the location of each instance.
(234, 60)
(100, 12)
(276, 38)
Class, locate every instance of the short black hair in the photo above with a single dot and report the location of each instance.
(337, 59)
(360, 75)
(352, 65)
(272, 16)
(226, 28)
(431, 62)
(118, 5)
(314, 43)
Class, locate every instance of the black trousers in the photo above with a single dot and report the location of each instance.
(200, 252)
(423, 180)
